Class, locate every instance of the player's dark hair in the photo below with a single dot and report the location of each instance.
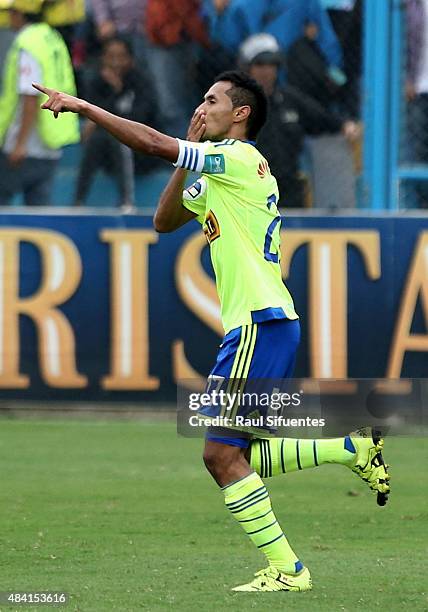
(245, 91)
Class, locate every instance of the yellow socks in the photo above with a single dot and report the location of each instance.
(249, 502)
(270, 457)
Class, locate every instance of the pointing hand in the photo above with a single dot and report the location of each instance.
(59, 102)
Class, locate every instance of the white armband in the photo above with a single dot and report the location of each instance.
(191, 156)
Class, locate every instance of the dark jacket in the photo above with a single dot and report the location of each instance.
(291, 116)
(307, 70)
(136, 102)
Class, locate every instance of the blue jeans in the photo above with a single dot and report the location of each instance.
(33, 178)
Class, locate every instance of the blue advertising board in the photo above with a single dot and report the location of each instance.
(101, 307)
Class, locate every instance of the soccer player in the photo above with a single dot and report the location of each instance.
(235, 200)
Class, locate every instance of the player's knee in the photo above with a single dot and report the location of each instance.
(211, 459)
(218, 458)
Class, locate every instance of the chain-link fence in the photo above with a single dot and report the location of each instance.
(413, 144)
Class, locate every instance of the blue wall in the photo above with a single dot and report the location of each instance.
(372, 303)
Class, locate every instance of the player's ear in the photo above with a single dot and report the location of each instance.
(242, 113)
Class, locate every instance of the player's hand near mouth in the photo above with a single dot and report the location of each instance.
(197, 126)
(171, 213)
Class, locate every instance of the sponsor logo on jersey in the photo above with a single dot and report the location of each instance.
(211, 227)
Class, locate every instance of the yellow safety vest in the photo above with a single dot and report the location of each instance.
(4, 19)
(64, 12)
(47, 46)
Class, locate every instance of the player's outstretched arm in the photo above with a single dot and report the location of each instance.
(138, 136)
(170, 213)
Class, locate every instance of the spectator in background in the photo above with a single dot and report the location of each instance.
(340, 13)
(308, 68)
(345, 16)
(68, 17)
(30, 142)
(284, 19)
(6, 32)
(417, 88)
(175, 29)
(292, 114)
(332, 157)
(121, 17)
(122, 89)
(215, 58)
(64, 15)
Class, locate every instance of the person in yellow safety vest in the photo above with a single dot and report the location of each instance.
(59, 13)
(6, 34)
(65, 15)
(31, 144)
(4, 19)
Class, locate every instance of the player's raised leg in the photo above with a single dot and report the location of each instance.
(360, 451)
(248, 501)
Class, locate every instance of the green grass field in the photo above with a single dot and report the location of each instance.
(123, 516)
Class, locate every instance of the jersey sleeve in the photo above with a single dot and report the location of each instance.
(195, 198)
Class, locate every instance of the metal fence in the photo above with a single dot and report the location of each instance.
(395, 104)
(411, 109)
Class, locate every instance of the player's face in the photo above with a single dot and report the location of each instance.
(219, 111)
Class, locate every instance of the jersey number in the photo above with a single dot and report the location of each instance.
(272, 201)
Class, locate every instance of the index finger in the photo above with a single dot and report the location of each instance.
(43, 89)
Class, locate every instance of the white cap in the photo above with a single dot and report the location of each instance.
(260, 48)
